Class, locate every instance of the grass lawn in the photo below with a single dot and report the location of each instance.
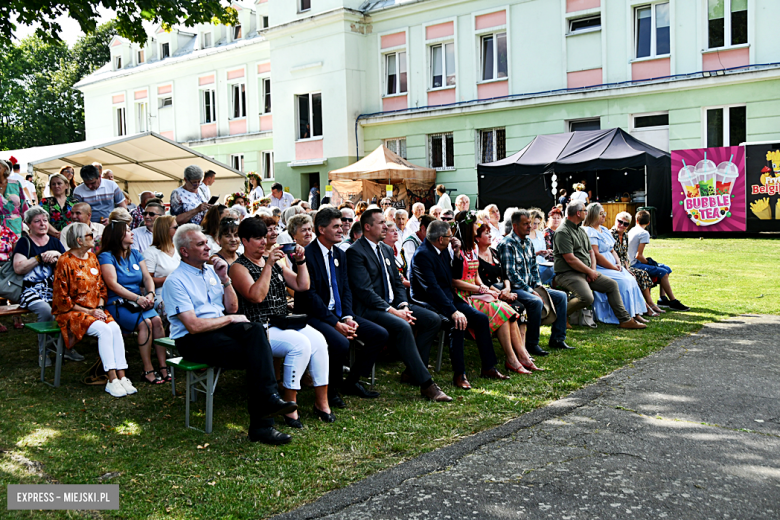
(75, 434)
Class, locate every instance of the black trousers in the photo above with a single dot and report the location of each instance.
(373, 337)
(414, 353)
(479, 323)
(238, 346)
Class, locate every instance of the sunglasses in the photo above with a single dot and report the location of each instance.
(345, 219)
(447, 219)
(150, 214)
(89, 235)
(623, 223)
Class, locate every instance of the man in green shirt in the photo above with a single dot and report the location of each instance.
(575, 271)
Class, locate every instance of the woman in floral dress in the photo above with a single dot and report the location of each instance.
(58, 205)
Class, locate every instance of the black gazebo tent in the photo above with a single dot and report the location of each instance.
(525, 178)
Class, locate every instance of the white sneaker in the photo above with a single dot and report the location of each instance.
(128, 386)
(115, 388)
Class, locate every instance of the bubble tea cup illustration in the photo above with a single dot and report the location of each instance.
(687, 179)
(725, 177)
(705, 171)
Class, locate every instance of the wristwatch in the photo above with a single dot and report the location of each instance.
(229, 282)
(345, 318)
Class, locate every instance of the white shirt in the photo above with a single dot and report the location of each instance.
(205, 191)
(495, 235)
(579, 196)
(142, 239)
(256, 194)
(412, 227)
(159, 264)
(409, 246)
(445, 202)
(387, 267)
(325, 251)
(283, 203)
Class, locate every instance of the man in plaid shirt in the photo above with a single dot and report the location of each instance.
(138, 213)
(519, 264)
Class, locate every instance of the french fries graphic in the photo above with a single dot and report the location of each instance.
(761, 209)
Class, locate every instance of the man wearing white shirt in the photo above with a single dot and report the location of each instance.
(142, 236)
(413, 225)
(209, 177)
(279, 198)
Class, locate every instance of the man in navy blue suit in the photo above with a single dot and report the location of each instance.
(431, 284)
(328, 302)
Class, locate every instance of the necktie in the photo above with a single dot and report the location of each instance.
(334, 285)
(384, 273)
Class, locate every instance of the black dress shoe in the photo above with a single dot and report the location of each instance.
(560, 345)
(358, 390)
(336, 402)
(278, 406)
(292, 423)
(269, 435)
(324, 417)
(536, 350)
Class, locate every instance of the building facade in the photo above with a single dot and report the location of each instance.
(303, 87)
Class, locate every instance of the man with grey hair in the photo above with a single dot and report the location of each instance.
(102, 195)
(413, 224)
(138, 212)
(347, 219)
(197, 297)
(462, 203)
(518, 261)
(575, 270)
(143, 236)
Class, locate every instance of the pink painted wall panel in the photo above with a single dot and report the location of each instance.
(206, 80)
(266, 123)
(305, 150)
(238, 127)
(393, 40)
(119, 98)
(441, 97)
(141, 94)
(394, 103)
(264, 67)
(165, 89)
(579, 5)
(116, 43)
(233, 74)
(584, 78)
(168, 134)
(491, 90)
(261, 1)
(208, 131)
(651, 69)
(439, 31)
(725, 59)
(486, 21)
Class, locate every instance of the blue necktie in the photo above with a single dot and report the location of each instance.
(334, 285)
(384, 273)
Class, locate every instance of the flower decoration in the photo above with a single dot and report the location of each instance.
(231, 199)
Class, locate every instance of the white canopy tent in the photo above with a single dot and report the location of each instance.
(140, 162)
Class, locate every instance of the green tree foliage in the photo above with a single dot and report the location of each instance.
(38, 104)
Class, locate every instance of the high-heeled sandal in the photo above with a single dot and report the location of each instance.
(167, 377)
(657, 309)
(532, 366)
(651, 314)
(640, 319)
(519, 370)
(157, 379)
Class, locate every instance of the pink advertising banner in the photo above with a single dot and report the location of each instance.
(708, 189)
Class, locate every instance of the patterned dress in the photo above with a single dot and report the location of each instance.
(497, 311)
(183, 201)
(77, 281)
(548, 242)
(12, 207)
(621, 248)
(59, 216)
(275, 302)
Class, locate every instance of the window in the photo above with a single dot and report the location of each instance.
(267, 160)
(238, 100)
(495, 63)
(237, 161)
(141, 117)
(492, 145)
(305, 5)
(726, 126)
(237, 32)
(441, 150)
(165, 102)
(443, 65)
(309, 116)
(652, 30)
(121, 123)
(651, 121)
(584, 24)
(585, 124)
(397, 146)
(141, 57)
(117, 62)
(395, 73)
(266, 95)
(206, 40)
(265, 22)
(165, 50)
(727, 23)
(208, 106)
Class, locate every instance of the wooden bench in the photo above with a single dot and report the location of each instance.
(53, 342)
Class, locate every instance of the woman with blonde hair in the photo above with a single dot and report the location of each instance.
(161, 257)
(620, 234)
(536, 236)
(59, 204)
(579, 195)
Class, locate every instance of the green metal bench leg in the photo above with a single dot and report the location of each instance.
(442, 337)
(205, 384)
(187, 400)
(209, 398)
(173, 380)
(56, 345)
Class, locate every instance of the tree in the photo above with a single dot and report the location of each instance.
(130, 15)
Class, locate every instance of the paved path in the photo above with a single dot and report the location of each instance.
(690, 432)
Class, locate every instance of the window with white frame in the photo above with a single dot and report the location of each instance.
(651, 120)
(652, 30)
(165, 50)
(494, 56)
(205, 40)
(589, 23)
(117, 62)
(442, 65)
(164, 102)
(726, 126)
(141, 117)
(727, 23)
(266, 93)
(267, 161)
(237, 161)
(120, 121)
(395, 73)
(397, 145)
(237, 100)
(491, 145)
(580, 125)
(141, 56)
(237, 32)
(441, 151)
(309, 115)
(208, 106)
(304, 5)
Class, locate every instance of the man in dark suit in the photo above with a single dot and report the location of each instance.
(328, 302)
(431, 283)
(379, 296)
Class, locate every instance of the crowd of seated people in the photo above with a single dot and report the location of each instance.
(308, 287)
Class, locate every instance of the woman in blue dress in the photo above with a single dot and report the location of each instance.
(131, 296)
(608, 264)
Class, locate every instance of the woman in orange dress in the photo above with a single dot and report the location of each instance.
(503, 317)
(78, 306)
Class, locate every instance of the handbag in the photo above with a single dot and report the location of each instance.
(288, 321)
(583, 317)
(549, 314)
(10, 282)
